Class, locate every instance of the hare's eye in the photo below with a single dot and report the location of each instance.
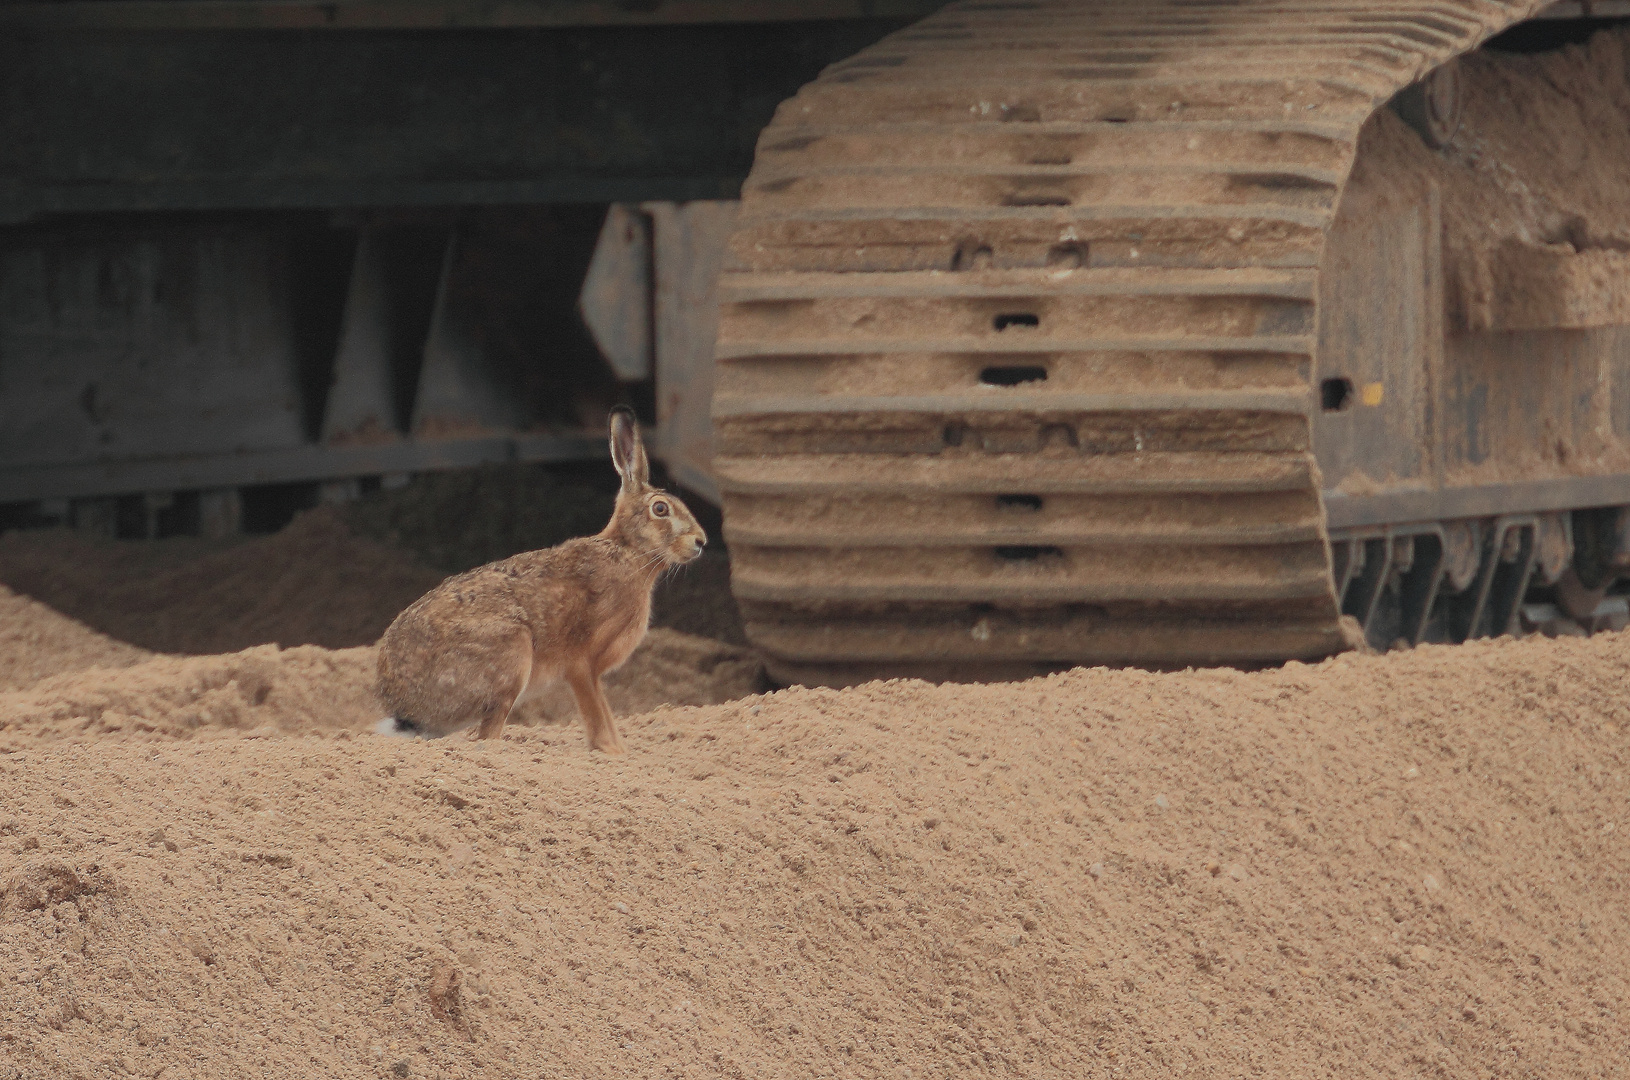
(659, 508)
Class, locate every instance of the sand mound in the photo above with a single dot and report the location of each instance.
(36, 641)
(314, 583)
(310, 689)
(1397, 865)
(264, 689)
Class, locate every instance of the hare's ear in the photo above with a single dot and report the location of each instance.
(627, 451)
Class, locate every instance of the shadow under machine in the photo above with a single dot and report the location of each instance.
(1024, 335)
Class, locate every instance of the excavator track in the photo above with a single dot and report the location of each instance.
(1016, 343)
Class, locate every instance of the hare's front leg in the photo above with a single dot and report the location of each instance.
(596, 710)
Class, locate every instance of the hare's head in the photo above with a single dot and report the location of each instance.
(651, 521)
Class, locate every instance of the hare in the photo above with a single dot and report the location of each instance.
(464, 653)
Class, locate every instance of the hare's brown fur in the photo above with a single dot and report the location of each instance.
(464, 653)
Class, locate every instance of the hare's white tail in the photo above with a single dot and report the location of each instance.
(390, 725)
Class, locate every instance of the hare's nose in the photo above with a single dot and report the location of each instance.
(701, 542)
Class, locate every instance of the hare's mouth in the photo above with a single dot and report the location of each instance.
(686, 549)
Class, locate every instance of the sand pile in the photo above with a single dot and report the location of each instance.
(314, 583)
(267, 690)
(321, 581)
(36, 641)
(1397, 865)
(263, 690)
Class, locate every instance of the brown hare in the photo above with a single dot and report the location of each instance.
(464, 653)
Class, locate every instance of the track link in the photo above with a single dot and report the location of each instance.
(1016, 343)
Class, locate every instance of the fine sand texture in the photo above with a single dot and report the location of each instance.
(36, 641)
(1383, 866)
(267, 690)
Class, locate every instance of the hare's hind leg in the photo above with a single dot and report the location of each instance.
(596, 710)
(510, 674)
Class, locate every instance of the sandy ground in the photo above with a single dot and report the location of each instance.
(1403, 865)
(1388, 866)
(36, 641)
(267, 690)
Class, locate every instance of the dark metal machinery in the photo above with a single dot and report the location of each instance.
(271, 243)
(1079, 332)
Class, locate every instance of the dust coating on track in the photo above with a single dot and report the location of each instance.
(1016, 345)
